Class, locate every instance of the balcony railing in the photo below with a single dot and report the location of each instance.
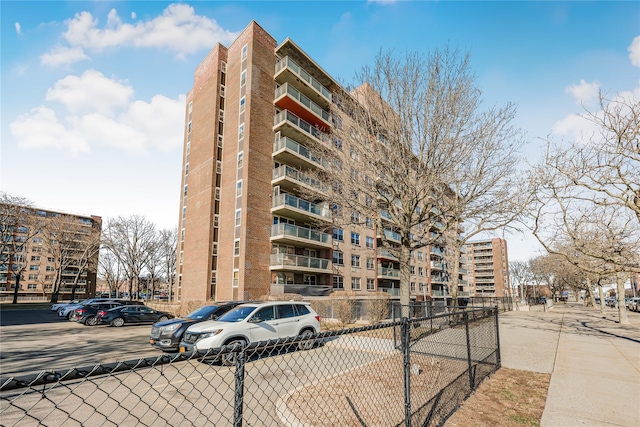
(304, 100)
(299, 261)
(388, 272)
(436, 278)
(300, 233)
(438, 293)
(437, 251)
(296, 175)
(392, 235)
(386, 254)
(437, 265)
(391, 291)
(301, 150)
(307, 128)
(284, 200)
(296, 69)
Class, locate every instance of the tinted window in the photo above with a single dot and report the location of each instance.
(285, 311)
(302, 309)
(202, 312)
(264, 314)
(145, 309)
(237, 314)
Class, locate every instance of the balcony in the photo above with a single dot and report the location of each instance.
(392, 236)
(388, 273)
(437, 251)
(289, 179)
(290, 124)
(391, 291)
(300, 209)
(287, 70)
(288, 97)
(299, 263)
(292, 234)
(435, 265)
(384, 254)
(438, 293)
(462, 271)
(385, 215)
(437, 278)
(288, 151)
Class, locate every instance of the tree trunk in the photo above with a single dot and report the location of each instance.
(622, 309)
(601, 291)
(16, 288)
(405, 280)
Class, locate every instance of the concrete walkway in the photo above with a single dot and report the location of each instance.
(594, 362)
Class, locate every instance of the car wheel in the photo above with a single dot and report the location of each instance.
(90, 321)
(306, 342)
(69, 315)
(117, 322)
(163, 318)
(229, 359)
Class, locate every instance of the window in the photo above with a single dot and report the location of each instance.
(32, 286)
(33, 277)
(368, 201)
(264, 314)
(241, 132)
(355, 283)
(369, 242)
(355, 217)
(355, 238)
(337, 143)
(420, 271)
(239, 188)
(413, 286)
(371, 285)
(245, 48)
(368, 222)
(338, 282)
(34, 267)
(285, 311)
(240, 159)
(338, 234)
(238, 217)
(37, 240)
(338, 258)
(413, 269)
(355, 261)
(49, 268)
(419, 256)
(243, 78)
(354, 154)
(236, 247)
(423, 287)
(35, 257)
(369, 263)
(243, 102)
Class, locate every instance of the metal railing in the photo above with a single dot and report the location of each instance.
(302, 73)
(291, 230)
(414, 371)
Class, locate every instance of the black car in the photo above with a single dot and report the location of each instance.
(131, 314)
(86, 313)
(167, 335)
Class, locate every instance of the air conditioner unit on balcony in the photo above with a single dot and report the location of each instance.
(223, 91)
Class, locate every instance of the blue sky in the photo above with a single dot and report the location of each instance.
(92, 93)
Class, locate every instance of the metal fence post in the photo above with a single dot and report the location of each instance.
(498, 360)
(407, 371)
(465, 316)
(239, 392)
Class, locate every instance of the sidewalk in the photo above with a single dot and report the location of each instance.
(594, 362)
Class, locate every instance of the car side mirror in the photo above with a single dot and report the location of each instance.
(254, 320)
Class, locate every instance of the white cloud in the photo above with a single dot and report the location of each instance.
(92, 92)
(133, 15)
(178, 30)
(584, 92)
(18, 29)
(634, 51)
(63, 55)
(100, 111)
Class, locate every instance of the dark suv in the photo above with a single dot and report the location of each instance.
(86, 313)
(167, 335)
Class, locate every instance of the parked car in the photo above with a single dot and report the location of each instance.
(72, 305)
(131, 314)
(254, 322)
(86, 313)
(632, 304)
(68, 310)
(167, 335)
(611, 302)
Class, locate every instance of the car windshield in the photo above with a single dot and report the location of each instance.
(237, 314)
(202, 312)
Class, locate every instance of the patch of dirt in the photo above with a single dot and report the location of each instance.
(508, 398)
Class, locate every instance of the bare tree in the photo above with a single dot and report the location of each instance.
(153, 261)
(397, 144)
(168, 252)
(128, 239)
(18, 226)
(520, 274)
(111, 270)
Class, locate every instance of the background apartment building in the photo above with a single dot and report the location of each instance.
(42, 260)
(253, 117)
(487, 267)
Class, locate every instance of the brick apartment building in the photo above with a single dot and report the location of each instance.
(256, 110)
(487, 268)
(23, 248)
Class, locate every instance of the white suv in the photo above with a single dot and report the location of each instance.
(253, 322)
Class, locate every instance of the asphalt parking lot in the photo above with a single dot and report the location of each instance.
(35, 339)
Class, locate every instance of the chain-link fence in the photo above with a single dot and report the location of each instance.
(412, 372)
